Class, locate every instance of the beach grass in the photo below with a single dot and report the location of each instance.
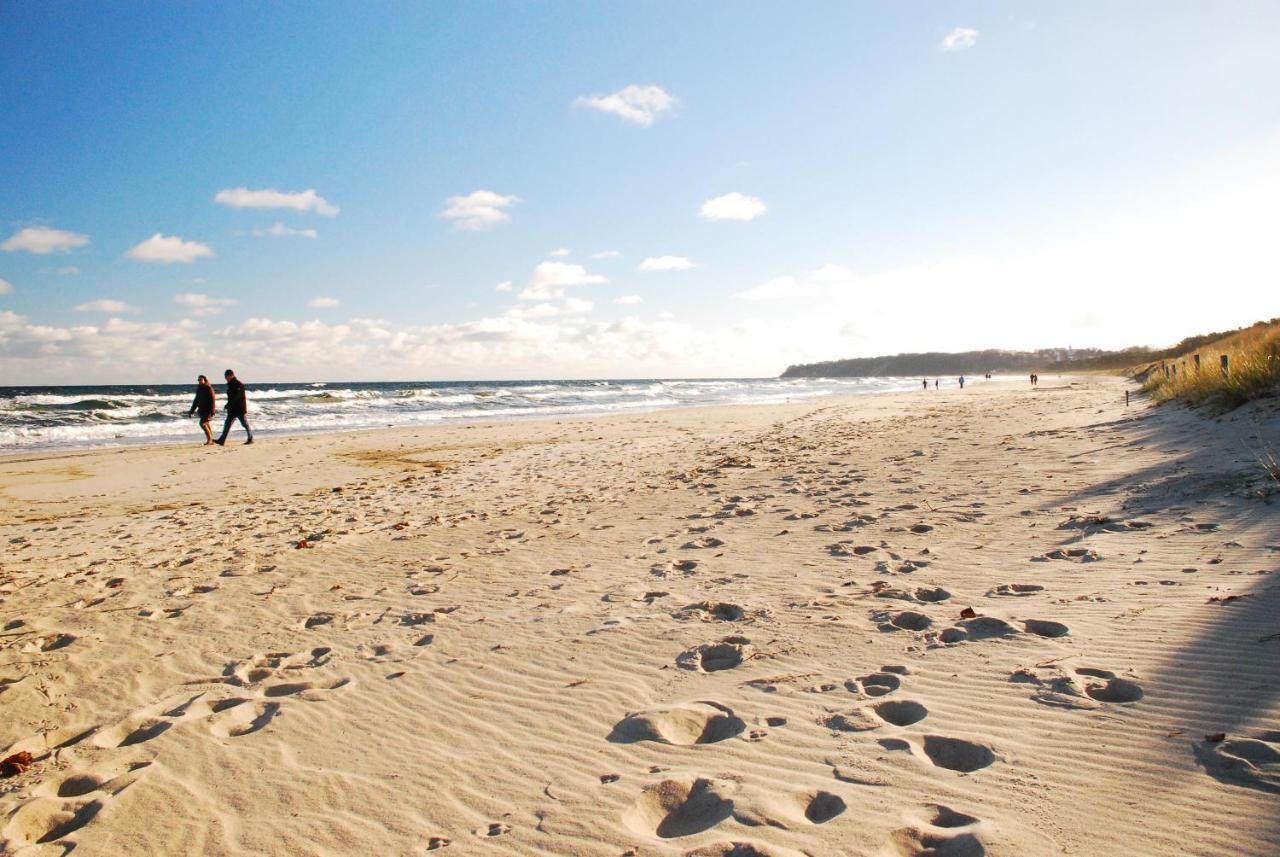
(1253, 370)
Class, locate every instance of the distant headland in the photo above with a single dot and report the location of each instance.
(936, 363)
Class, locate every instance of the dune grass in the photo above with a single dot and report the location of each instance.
(1253, 356)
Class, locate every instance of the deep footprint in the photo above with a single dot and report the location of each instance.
(685, 725)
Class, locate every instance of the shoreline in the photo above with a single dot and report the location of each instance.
(671, 634)
(451, 422)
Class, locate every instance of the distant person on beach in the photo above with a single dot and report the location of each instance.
(961, 382)
(237, 407)
(935, 383)
(206, 404)
(925, 381)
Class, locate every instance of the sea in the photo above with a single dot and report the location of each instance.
(42, 418)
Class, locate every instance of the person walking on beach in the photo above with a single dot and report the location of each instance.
(206, 404)
(961, 384)
(237, 407)
(925, 381)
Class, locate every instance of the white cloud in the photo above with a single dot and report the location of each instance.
(480, 209)
(42, 241)
(827, 280)
(168, 249)
(636, 104)
(200, 304)
(279, 230)
(606, 254)
(733, 206)
(568, 307)
(306, 200)
(324, 303)
(959, 39)
(504, 286)
(559, 252)
(5, 287)
(549, 280)
(666, 263)
(105, 305)
(628, 299)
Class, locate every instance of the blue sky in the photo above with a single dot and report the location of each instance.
(899, 177)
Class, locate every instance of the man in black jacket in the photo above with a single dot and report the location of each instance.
(237, 407)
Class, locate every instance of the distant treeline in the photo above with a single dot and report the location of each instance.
(937, 363)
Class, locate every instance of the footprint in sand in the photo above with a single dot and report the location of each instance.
(134, 729)
(739, 848)
(1247, 760)
(709, 611)
(703, 543)
(1017, 589)
(681, 807)
(914, 842)
(1045, 628)
(953, 754)
(49, 643)
(1058, 686)
(681, 725)
(939, 832)
(907, 620)
(977, 628)
(45, 820)
(110, 780)
(437, 842)
(1111, 688)
(1072, 554)
(713, 657)
(261, 667)
(243, 719)
(876, 684)
(850, 549)
(892, 712)
(309, 690)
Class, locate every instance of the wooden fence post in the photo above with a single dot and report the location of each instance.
(1197, 364)
(1225, 367)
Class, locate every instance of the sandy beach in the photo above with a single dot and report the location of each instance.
(1003, 621)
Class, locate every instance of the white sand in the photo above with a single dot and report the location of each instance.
(703, 632)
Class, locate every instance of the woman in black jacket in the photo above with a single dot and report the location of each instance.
(205, 403)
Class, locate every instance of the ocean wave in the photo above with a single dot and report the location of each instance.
(36, 418)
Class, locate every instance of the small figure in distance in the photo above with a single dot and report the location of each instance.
(206, 404)
(935, 383)
(961, 382)
(237, 407)
(925, 381)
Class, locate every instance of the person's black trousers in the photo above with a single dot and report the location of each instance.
(231, 419)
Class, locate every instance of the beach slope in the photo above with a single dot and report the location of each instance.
(1002, 621)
